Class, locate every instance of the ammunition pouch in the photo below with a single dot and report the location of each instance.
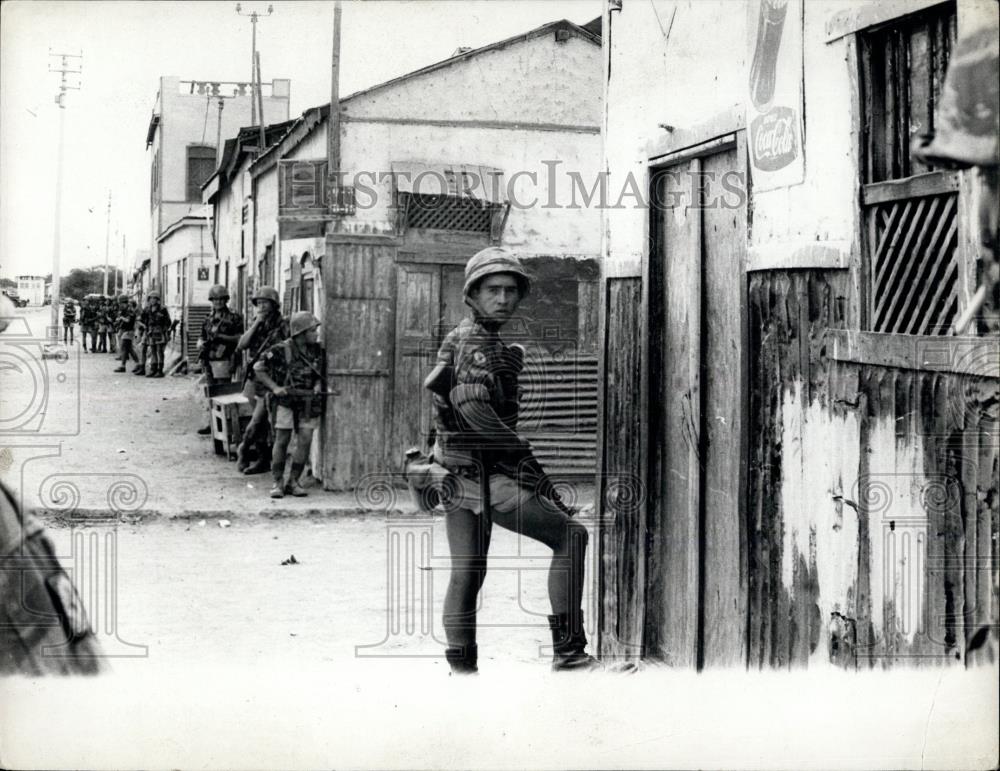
(426, 478)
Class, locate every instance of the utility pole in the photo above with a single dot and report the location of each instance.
(64, 68)
(333, 124)
(260, 106)
(254, 16)
(107, 245)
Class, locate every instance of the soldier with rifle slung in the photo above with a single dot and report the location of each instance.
(220, 332)
(268, 328)
(292, 371)
(474, 390)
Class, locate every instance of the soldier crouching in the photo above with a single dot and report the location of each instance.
(293, 371)
(474, 389)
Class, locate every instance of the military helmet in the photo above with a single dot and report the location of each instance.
(122, 298)
(267, 293)
(302, 321)
(490, 261)
(218, 292)
(153, 294)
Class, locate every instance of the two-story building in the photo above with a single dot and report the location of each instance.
(489, 146)
(189, 122)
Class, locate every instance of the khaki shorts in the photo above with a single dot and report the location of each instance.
(285, 419)
(221, 370)
(505, 494)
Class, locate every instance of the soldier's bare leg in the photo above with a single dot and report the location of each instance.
(468, 544)
(282, 437)
(303, 441)
(565, 536)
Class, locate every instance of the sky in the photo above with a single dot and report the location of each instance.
(127, 46)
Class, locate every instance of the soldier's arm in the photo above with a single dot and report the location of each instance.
(471, 398)
(262, 373)
(247, 337)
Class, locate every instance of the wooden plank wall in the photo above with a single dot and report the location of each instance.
(623, 553)
(873, 493)
(359, 280)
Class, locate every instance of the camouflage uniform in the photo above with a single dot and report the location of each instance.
(43, 625)
(297, 366)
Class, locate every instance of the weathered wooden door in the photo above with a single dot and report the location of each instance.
(429, 305)
(696, 608)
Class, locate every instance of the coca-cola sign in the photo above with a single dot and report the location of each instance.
(774, 139)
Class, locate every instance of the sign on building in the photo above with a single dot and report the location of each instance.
(306, 200)
(774, 103)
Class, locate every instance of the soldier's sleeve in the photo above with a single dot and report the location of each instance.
(472, 396)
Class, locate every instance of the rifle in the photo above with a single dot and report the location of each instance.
(525, 466)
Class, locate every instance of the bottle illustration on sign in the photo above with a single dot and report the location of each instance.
(770, 24)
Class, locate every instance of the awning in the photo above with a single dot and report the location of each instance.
(459, 180)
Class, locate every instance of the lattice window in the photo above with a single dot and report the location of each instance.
(446, 212)
(910, 209)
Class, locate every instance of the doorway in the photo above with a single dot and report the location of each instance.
(697, 460)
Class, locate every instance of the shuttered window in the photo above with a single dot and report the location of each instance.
(910, 209)
(200, 166)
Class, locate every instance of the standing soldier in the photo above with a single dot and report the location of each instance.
(102, 324)
(69, 319)
(220, 333)
(155, 325)
(111, 314)
(474, 389)
(292, 371)
(141, 340)
(267, 329)
(125, 327)
(88, 324)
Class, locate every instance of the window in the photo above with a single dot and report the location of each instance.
(154, 182)
(200, 166)
(910, 210)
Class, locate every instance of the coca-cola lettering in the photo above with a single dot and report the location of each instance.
(774, 139)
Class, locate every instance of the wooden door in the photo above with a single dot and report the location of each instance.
(429, 305)
(697, 575)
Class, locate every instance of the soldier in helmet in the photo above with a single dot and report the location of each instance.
(292, 371)
(155, 323)
(220, 332)
(267, 329)
(69, 319)
(125, 327)
(474, 388)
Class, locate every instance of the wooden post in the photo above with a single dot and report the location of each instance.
(333, 125)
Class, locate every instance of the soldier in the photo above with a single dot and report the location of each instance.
(111, 315)
(43, 625)
(88, 324)
(102, 324)
(141, 341)
(267, 329)
(125, 326)
(292, 371)
(217, 342)
(474, 390)
(69, 320)
(155, 321)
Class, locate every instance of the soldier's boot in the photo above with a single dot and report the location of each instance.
(119, 368)
(159, 371)
(241, 459)
(463, 659)
(140, 371)
(569, 644)
(293, 483)
(277, 490)
(152, 371)
(259, 466)
(206, 430)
